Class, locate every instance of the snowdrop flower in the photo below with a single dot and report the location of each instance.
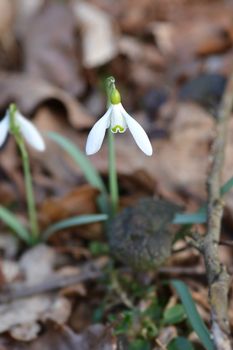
(118, 120)
(26, 128)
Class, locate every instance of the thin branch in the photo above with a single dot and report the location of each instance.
(218, 278)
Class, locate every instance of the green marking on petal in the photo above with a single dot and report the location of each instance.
(117, 128)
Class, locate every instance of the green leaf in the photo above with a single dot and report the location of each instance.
(84, 163)
(193, 316)
(191, 218)
(98, 313)
(200, 217)
(98, 248)
(154, 310)
(125, 324)
(174, 314)
(227, 186)
(140, 344)
(149, 329)
(11, 220)
(180, 343)
(71, 222)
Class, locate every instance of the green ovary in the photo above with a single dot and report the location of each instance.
(118, 128)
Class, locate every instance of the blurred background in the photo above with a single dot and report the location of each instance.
(171, 61)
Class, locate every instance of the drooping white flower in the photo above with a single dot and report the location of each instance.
(27, 129)
(118, 120)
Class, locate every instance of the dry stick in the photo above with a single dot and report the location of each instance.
(21, 290)
(218, 278)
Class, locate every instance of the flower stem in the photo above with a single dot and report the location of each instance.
(32, 214)
(112, 172)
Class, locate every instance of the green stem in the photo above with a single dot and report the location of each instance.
(32, 214)
(112, 173)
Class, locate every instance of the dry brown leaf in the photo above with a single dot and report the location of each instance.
(6, 22)
(24, 10)
(216, 43)
(141, 52)
(11, 270)
(81, 200)
(7, 194)
(9, 245)
(182, 160)
(96, 337)
(26, 331)
(43, 255)
(27, 311)
(166, 335)
(99, 38)
(50, 50)
(59, 312)
(21, 317)
(31, 92)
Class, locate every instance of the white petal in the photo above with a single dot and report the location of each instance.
(138, 133)
(96, 135)
(4, 129)
(118, 123)
(30, 133)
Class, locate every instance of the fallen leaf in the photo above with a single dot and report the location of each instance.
(30, 92)
(59, 312)
(24, 10)
(9, 245)
(43, 255)
(6, 21)
(95, 337)
(20, 317)
(99, 39)
(138, 51)
(26, 331)
(216, 43)
(11, 270)
(28, 310)
(49, 48)
(81, 200)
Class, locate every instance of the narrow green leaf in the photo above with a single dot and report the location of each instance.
(227, 186)
(89, 171)
(71, 222)
(199, 217)
(11, 220)
(192, 314)
(84, 163)
(180, 343)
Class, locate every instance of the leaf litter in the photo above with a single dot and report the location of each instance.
(65, 295)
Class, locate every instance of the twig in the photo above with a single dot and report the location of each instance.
(22, 290)
(226, 242)
(120, 292)
(162, 346)
(181, 270)
(218, 278)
